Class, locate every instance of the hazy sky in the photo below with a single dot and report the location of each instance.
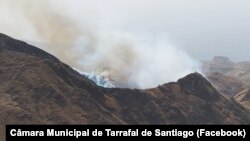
(203, 28)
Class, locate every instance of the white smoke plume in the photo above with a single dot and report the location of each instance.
(89, 36)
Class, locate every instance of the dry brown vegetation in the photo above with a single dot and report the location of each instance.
(36, 88)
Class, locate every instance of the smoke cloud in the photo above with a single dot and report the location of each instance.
(89, 36)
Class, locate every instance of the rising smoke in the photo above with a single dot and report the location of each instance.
(80, 34)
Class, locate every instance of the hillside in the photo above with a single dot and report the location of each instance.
(36, 88)
(239, 71)
(243, 98)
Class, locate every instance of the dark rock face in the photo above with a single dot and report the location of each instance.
(198, 85)
(35, 87)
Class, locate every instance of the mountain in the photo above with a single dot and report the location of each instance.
(230, 78)
(219, 64)
(37, 88)
(223, 65)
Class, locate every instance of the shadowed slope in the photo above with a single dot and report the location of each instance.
(36, 87)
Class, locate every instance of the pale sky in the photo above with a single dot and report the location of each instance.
(203, 28)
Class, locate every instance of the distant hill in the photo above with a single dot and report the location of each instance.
(223, 65)
(230, 78)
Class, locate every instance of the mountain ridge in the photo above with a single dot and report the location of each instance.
(230, 78)
(37, 88)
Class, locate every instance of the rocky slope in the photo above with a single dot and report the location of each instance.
(228, 85)
(230, 78)
(243, 98)
(36, 88)
(223, 65)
